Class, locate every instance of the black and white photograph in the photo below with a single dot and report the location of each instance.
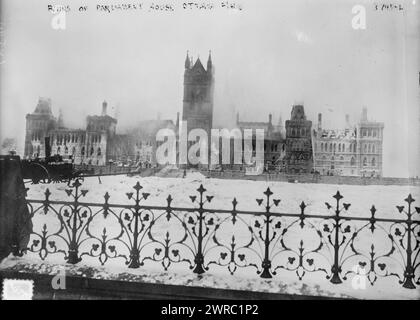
(229, 150)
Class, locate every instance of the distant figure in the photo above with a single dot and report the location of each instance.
(185, 173)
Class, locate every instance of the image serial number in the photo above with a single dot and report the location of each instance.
(234, 309)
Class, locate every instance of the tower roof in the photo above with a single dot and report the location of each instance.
(209, 62)
(60, 122)
(187, 62)
(298, 113)
(198, 66)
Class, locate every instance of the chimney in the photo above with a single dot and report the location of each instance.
(104, 106)
(319, 121)
(364, 114)
(270, 118)
(60, 122)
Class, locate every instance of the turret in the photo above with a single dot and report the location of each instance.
(319, 121)
(364, 114)
(347, 121)
(60, 122)
(187, 62)
(209, 63)
(104, 106)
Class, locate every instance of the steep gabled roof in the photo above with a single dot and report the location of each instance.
(198, 67)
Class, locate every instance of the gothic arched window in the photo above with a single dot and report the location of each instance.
(373, 162)
(373, 148)
(352, 161)
(364, 161)
(99, 151)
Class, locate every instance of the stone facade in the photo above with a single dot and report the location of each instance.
(98, 144)
(38, 125)
(274, 140)
(92, 145)
(299, 157)
(354, 151)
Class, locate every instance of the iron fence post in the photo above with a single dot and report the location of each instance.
(266, 264)
(336, 269)
(199, 257)
(135, 253)
(409, 269)
(73, 256)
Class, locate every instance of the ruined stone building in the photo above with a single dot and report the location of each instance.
(352, 151)
(98, 144)
(38, 125)
(274, 139)
(92, 145)
(299, 156)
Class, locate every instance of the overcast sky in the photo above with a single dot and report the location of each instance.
(267, 56)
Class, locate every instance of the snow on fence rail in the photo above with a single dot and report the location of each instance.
(203, 238)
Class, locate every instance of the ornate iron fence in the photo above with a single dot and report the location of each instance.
(203, 238)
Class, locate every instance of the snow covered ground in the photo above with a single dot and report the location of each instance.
(385, 198)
